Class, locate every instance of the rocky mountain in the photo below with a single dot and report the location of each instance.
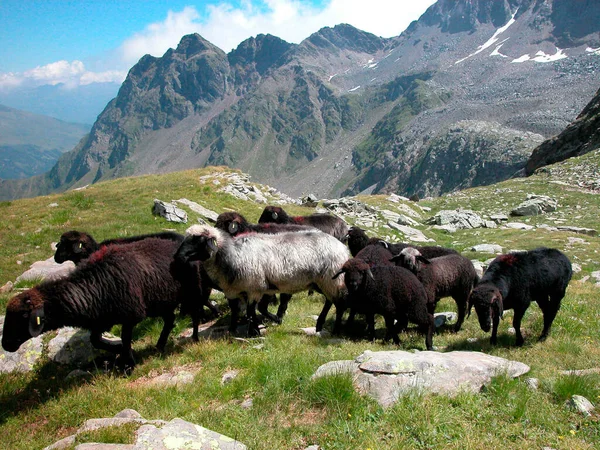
(460, 98)
(30, 144)
(580, 137)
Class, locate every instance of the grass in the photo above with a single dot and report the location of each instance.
(289, 409)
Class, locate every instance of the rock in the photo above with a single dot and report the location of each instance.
(581, 404)
(229, 376)
(53, 205)
(581, 372)
(169, 211)
(518, 226)
(459, 219)
(532, 383)
(312, 331)
(47, 270)
(24, 359)
(499, 218)
(479, 267)
(387, 375)
(313, 447)
(486, 248)
(77, 373)
(444, 317)
(206, 213)
(535, 205)
(410, 233)
(6, 288)
(310, 200)
(247, 404)
(72, 346)
(178, 379)
(580, 230)
(128, 414)
(446, 228)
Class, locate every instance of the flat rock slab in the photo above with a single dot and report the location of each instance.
(387, 375)
(72, 346)
(47, 270)
(154, 435)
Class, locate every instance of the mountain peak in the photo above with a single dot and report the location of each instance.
(346, 37)
(262, 51)
(193, 44)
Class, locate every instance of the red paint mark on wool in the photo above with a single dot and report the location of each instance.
(298, 219)
(508, 259)
(98, 255)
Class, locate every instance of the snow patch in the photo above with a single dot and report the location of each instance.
(491, 41)
(542, 57)
(372, 79)
(331, 76)
(521, 59)
(593, 51)
(496, 51)
(354, 88)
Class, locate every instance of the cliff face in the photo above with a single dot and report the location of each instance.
(345, 111)
(580, 137)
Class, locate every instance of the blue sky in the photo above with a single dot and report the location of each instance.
(86, 41)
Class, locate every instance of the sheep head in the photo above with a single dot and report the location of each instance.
(357, 239)
(274, 214)
(74, 246)
(488, 303)
(25, 319)
(201, 243)
(232, 223)
(410, 258)
(355, 273)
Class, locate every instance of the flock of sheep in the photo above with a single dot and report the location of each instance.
(123, 281)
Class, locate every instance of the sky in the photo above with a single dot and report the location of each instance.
(79, 42)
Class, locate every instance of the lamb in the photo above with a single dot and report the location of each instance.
(393, 292)
(77, 246)
(236, 224)
(325, 222)
(445, 276)
(118, 284)
(513, 280)
(253, 265)
(357, 240)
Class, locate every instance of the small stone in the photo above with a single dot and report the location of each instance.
(247, 404)
(532, 383)
(581, 404)
(77, 373)
(129, 414)
(6, 288)
(229, 376)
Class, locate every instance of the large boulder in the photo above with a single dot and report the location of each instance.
(535, 205)
(458, 219)
(387, 375)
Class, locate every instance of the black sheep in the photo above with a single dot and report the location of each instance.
(118, 284)
(393, 292)
(445, 276)
(358, 239)
(77, 246)
(513, 280)
(325, 222)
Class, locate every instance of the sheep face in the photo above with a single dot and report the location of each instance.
(24, 320)
(355, 272)
(74, 246)
(410, 258)
(232, 223)
(273, 214)
(488, 304)
(196, 248)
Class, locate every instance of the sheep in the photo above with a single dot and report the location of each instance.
(118, 284)
(77, 246)
(391, 291)
(325, 222)
(445, 276)
(235, 224)
(253, 265)
(357, 240)
(513, 280)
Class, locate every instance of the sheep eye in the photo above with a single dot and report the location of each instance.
(233, 227)
(274, 215)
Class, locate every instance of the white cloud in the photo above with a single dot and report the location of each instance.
(71, 74)
(292, 20)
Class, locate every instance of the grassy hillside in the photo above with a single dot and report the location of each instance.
(289, 410)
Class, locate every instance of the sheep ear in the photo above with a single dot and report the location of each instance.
(498, 307)
(232, 227)
(395, 257)
(36, 322)
(423, 259)
(338, 274)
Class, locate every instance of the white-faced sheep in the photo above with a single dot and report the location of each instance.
(118, 284)
(445, 276)
(235, 224)
(393, 292)
(77, 246)
(327, 223)
(253, 265)
(513, 280)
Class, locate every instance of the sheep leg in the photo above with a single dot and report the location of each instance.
(234, 305)
(252, 320)
(284, 299)
(98, 342)
(323, 315)
(340, 309)
(390, 330)
(370, 326)
(263, 308)
(169, 324)
(429, 335)
(549, 310)
(519, 312)
(127, 361)
(461, 305)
